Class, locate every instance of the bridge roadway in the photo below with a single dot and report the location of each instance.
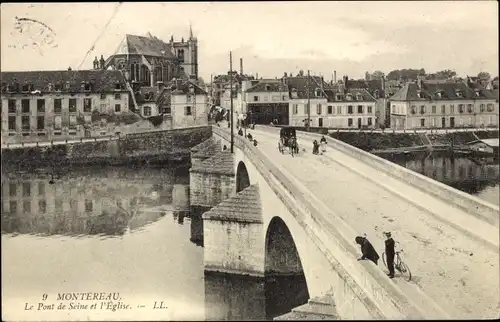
(459, 271)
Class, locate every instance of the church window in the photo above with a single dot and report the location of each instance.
(180, 55)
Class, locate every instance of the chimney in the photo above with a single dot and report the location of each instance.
(241, 66)
(334, 76)
(257, 76)
(382, 79)
(101, 62)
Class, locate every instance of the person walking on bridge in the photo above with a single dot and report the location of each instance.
(367, 249)
(390, 253)
(323, 144)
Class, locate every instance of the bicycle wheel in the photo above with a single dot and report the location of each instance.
(404, 270)
(384, 260)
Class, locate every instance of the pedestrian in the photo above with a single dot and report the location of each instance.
(390, 253)
(315, 147)
(323, 144)
(240, 132)
(367, 249)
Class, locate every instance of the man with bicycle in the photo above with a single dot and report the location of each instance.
(390, 253)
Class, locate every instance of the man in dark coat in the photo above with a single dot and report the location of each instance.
(367, 249)
(390, 253)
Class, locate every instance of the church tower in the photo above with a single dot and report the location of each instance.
(187, 54)
(193, 53)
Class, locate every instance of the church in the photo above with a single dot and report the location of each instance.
(147, 60)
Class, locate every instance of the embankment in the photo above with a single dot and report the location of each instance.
(377, 141)
(150, 147)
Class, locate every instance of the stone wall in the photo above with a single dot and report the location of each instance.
(149, 147)
(237, 240)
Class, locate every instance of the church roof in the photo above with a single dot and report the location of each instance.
(147, 46)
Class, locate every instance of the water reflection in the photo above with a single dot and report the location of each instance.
(154, 255)
(231, 297)
(474, 176)
(90, 201)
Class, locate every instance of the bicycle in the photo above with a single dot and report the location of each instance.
(399, 264)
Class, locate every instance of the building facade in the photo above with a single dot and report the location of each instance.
(264, 102)
(422, 105)
(331, 106)
(184, 104)
(54, 105)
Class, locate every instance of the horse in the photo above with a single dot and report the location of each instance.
(292, 144)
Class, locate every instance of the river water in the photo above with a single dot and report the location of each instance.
(475, 176)
(129, 231)
(121, 230)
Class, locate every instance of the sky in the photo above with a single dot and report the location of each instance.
(271, 37)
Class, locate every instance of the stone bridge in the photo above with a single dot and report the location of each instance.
(271, 215)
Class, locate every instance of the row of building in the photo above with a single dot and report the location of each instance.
(356, 104)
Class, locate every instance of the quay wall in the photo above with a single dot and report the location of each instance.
(150, 147)
(370, 140)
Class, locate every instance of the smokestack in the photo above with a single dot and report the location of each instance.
(257, 76)
(241, 66)
(334, 76)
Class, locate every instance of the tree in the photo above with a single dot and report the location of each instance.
(377, 75)
(201, 81)
(405, 74)
(445, 74)
(484, 75)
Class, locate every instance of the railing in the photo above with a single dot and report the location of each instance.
(58, 142)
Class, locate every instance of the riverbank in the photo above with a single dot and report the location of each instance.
(389, 142)
(150, 147)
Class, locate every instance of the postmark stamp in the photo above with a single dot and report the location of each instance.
(34, 34)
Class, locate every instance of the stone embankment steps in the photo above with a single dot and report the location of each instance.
(435, 286)
(425, 139)
(316, 309)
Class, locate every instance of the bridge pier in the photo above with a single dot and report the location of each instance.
(233, 235)
(211, 180)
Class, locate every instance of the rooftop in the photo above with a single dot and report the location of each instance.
(268, 86)
(100, 80)
(442, 91)
(301, 84)
(147, 46)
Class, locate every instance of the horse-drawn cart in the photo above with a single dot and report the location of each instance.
(288, 139)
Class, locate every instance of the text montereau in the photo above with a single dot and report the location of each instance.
(90, 296)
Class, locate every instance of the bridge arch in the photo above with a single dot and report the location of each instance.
(285, 282)
(242, 178)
